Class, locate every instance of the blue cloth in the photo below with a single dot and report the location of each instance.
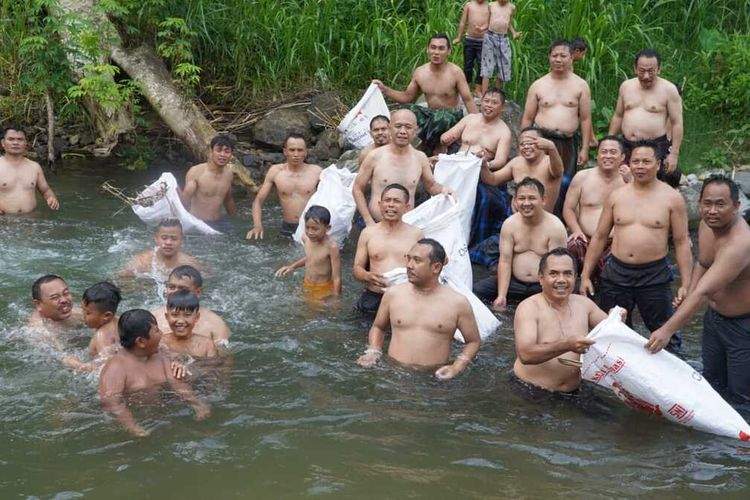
(492, 207)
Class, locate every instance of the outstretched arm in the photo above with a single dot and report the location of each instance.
(256, 232)
(402, 97)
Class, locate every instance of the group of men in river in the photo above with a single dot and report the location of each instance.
(604, 231)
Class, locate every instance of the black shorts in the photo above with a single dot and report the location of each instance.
(288, 229)
(726, 354)
(486, 289)
(368, 303)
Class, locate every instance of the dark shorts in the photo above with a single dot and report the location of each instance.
(288, 229)
(646, 286)
(368, 303)
(537, 393)
(433, 123)
(486, 289)
(567, 147)
(726, 354)
(472, 58)
(223, 225)
(664, 146)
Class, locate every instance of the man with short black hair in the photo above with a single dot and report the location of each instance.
(167, 254)
(53, 303)
(380, 131)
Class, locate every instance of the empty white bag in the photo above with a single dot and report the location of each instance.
(460, 172)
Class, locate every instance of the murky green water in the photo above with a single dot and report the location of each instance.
(296, 417)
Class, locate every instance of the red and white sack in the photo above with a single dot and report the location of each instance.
(660, 383)
(355, 127)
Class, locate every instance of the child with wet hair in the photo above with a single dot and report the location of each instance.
(322, 261)
(182, 313)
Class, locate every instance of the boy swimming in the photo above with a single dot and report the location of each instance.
(182, 313)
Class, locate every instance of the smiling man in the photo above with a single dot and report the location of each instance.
(53, 303)
(166, 255)
(442, 84)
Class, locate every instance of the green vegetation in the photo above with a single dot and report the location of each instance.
(233, 53)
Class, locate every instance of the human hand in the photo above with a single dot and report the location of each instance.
(376, 280)
(138, 431)
(681, 294)
(587, 288)
(658, 340)
(447, 138)
(579, 344)
(625, 172)
(544, 144)
(179, 370)
(500, 303)
(446, 372)
(379, 85)
(255, 233)
(583, 157)
(52, 202)
(369, 358)
(671, 162)
(517, 35)
(456, 41)
(433, 160)
(202, 411)
(593, 143)
(577, 235)
(283, 271)
(448, 192)
(623, 313)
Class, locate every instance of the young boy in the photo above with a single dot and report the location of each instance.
(166, 256)
(579, 47)
(496, 51)
(138, 367)
(477, 14)
(295, 181)
(183, 311)
(322, 262)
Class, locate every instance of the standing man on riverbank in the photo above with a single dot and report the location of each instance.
(559, 103)
(442, 83)
(208, 186)
(640, 216)
(649, 107)
(721, 278)
(423, 316)
(20, 177)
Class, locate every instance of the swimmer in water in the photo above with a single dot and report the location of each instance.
(182, 314)
(53, 304)
(166, 256)
(322, 262)
(139, 368)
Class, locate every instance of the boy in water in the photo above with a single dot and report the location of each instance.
(166, 255)
(322, 262)
(183, 311)
(496, 51)
(138, 367)
(476, 14)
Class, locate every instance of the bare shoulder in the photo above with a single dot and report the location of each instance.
(275, 169)
(528, 307)
(455, 69)
(419, 155)
(313, 168)
(196, 169)
(511, 223)
(669, 87)
(581, 176)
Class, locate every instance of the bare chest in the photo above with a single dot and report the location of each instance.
(423, 314)
(295, 184)
(531, 240)
(651, 214)
(558, 94)
(405, 173)
(12, 179)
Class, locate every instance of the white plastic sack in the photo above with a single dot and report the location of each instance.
(168, 205)
(659, 383)
(355, 127)
(335, 193)
(486, 321)
(460, 172)
(439, 218)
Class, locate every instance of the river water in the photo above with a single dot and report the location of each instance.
(293, 415)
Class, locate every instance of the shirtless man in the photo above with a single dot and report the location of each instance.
(638, 273)
(295, 181)
(552, 326)
(649, 107)
(53, 304)
(208, 186)
(484, 134)
(423, 316)
(382, 247)
(139, 368)
(394, 163)
(210, 324)
(166, 256)
(586, 195)
(560, 103)
(20, 177)
(524, 238)
(721, 278)
(538, 159)
(442, 83)
(380, 131)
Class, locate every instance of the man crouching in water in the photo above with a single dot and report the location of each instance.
(423, 316)
(551, 326)
(138, 367)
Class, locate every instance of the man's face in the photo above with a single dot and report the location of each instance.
(716, 206)
(182, 322)
(169, 240)
(295, 151)
(492, 106)
(438, 50)
(221, 155)
(560, 59)
(559, 277)
(92, 316)
(316, 230)
(175, 284)
(647, 70)
(419, 269)
(403, 128)
(381, 132)
(609, 156)
(393, 204)
(14, 142)
(55, 302)
(528, 201)
(578, 54)
(643, 164)
(527, 146)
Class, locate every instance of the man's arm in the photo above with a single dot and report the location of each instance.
(615, 126)
(559, 236)
(569, 213)
(584, 113)
(530, 108)
(432, 186)
(516, 34)
(45, 190)
(467, 325)
(555, 167)
(674, 109)
(402, 97)
(376, 337)
(504, 267)
(501, 152)
(111, 389)
(681, 238)
(358, 189)
(256, 232)
(454, 133)
(497, 177)
(528, 348)
(464, 91)
(335, 267)
(596, 245)
(361, 263)
(191, 186)
(229, 204)
(462, 24)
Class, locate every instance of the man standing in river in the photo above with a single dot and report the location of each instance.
(20, 177)
(380, 131)
(442, 83)
(53, 303)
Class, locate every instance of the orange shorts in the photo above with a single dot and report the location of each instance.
(317, 291)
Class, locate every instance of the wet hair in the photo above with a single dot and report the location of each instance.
(13, 126)
(531, 128)
(579, 44)
(397, 186)
(437, 252)
(134, 324)
(645, 143)
(648, 53)
(531, 182)
(558, 252)
(183, 300)
(36, 287)
(560, 42)
(294, 135)
(318, 214)
(381, 118)
(440, 36)
(734, 190)
(613, 138)
(222, 140)
(495, 91)
(190, 272)
(169, 222)
(104, 295)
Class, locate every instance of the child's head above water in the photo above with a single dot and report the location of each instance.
(168, 236)
(99, 304)
(185, 278)
(317, 222)
(182, 312)
(138, 330)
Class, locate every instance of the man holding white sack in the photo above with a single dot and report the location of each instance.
(721, 278)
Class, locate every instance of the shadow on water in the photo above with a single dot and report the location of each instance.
(295, 416)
